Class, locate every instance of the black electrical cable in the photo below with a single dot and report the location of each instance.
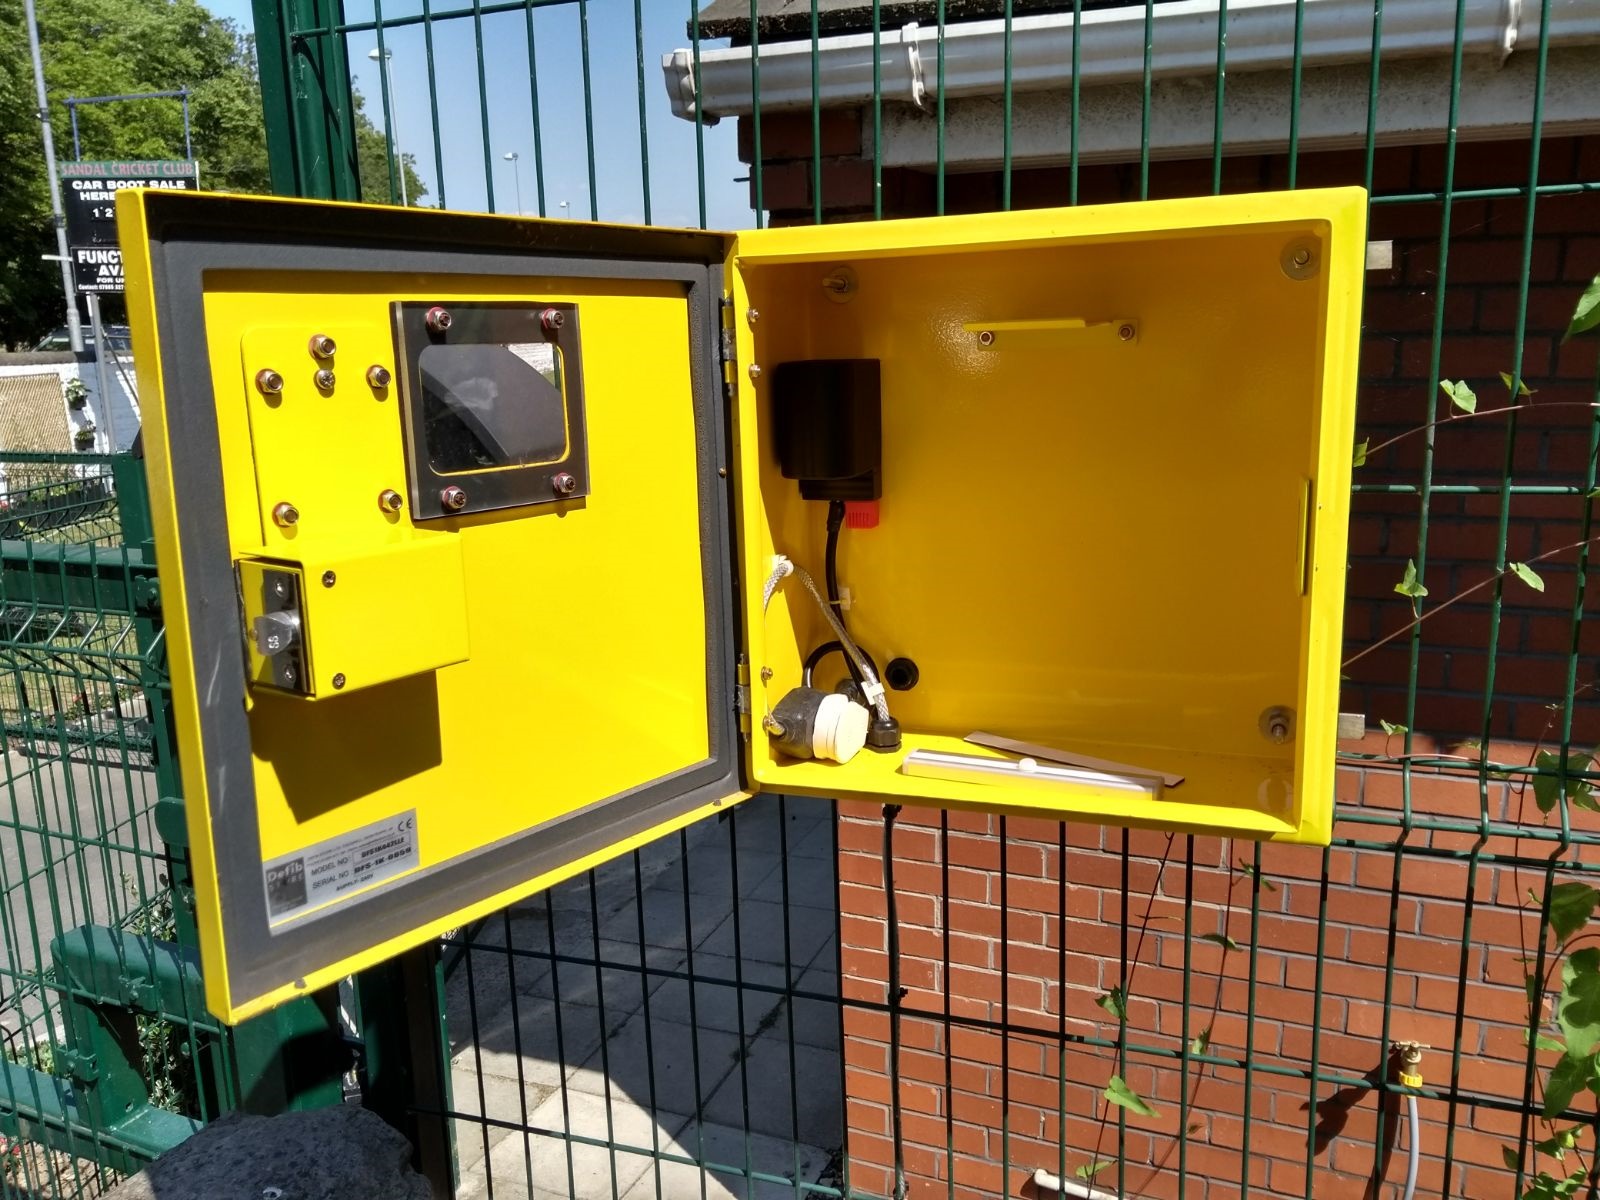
(830, 556)
(827, 648)
(896, 993)
(884, 733)
(830, 575)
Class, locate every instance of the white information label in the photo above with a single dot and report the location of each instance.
(326, 871)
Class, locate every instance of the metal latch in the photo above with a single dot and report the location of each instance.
(277, 632)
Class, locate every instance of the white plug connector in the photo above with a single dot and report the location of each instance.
(840, 730)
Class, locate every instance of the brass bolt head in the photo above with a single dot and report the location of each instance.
(453, 498)
(321, 346)
(390, 501)
(268, 382)
(325, 380)
(1125, 332)
(338, 681)
(285, 515)
(378, 376)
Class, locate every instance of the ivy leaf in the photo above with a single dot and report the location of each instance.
(1528, 575)
(1567, 1078)
(1200, 1042)
(1221, 939)
(1120, 1094)
(1510, 1157)
(1115, 1002)
(1090, 1169)
(1547, 788)
(1578, 1013)
(1522, 384)
(1196, 1126)
(1548, 1187)
(1390, 728)
(1360, 459)
(1461, 395)
(1563, 1140)
(1544, 1041)
(1408, 585)
(1571, 906)
(1587, 315)
(1249, 869)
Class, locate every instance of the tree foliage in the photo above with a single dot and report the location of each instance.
(109, 47)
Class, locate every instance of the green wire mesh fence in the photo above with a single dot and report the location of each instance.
(107, 1054)
(820, 999)
(85, 878)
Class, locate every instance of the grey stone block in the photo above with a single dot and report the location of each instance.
(329, 1154)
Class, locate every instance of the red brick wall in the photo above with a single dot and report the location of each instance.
(999, 1098)
(1413, 906)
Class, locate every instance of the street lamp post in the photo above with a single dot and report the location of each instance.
(394, 117)
(514, 159)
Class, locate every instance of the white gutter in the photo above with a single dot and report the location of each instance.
(1261, 35)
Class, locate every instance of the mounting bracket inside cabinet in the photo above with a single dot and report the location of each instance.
(493, 403)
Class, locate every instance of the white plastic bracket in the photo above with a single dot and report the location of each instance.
(919, 86)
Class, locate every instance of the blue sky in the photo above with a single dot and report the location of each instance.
(619, 194)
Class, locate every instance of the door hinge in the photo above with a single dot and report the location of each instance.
(727, 349)
(741, 693)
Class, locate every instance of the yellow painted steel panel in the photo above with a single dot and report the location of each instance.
(1098, 543)
(371, 617)
(554, 656)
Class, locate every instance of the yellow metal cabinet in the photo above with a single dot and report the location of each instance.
(468, 529)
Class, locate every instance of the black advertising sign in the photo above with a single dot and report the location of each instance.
(89, 199)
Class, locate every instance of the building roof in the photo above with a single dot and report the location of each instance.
(33, 415)
(787, 20)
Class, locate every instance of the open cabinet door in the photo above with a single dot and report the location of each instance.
(441, 518)
(1102, 457)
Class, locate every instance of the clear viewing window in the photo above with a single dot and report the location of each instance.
(488, 405)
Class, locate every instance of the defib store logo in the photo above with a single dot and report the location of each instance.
(286, 887)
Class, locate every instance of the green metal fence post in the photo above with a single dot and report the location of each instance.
(306, 98)
(405, 1075)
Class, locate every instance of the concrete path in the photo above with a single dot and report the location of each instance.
(605, 1041)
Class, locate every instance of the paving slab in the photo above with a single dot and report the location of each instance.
(659, 1074)
(648, 1087)
(546, 1166)
(717, 999)
(726, 1146)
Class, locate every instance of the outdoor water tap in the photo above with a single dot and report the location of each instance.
(1410, 1055)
